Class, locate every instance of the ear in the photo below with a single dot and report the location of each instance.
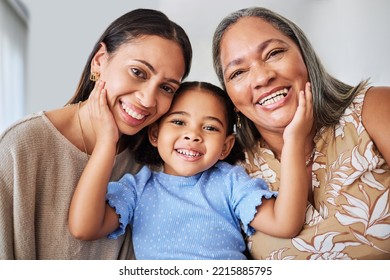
(99, 58)
(227, 146)
(153, 134)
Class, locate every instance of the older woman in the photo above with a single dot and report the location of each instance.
(263, 60)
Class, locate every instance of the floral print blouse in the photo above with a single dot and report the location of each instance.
(350, 218)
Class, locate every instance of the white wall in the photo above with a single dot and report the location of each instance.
(351, 36)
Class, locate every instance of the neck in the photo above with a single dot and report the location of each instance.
(88, 135)
(86, 132)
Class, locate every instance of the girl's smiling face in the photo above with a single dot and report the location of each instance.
(141, 79)
(191, 137)
(263, 71)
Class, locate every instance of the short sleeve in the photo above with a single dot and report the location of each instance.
(123, 196)
(247, 194)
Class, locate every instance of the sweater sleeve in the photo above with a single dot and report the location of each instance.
(6, 203)
(18, 169)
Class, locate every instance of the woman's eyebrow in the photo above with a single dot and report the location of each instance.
(153, 70)
(260, 48)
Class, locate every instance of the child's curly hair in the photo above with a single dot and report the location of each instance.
(146, 154)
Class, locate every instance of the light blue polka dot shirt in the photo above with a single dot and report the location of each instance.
(196, 217)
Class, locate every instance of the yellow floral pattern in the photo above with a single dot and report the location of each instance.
(350, 216)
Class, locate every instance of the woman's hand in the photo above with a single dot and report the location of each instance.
(103, 122)
(90, 217)
(302, 123)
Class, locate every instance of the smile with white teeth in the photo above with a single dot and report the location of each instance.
(188, 153)
(273, 98)
(132, 113)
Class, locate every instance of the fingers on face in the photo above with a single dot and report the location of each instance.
(102, 99)
(306, 96)
(98, 94)
(97, 90)
(309, 100)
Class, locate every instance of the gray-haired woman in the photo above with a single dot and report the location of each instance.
(263, 60)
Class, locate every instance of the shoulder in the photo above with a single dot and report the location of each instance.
(140, 178)
(376, 98)
(376, 106)
(376, 118)
(236, 175)
(30, 130)
(227, 168)
(24, 126)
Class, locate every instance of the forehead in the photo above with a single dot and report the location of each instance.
(247, 34)
(163, 54)
(199, 102)
(246, 25)
(198, 97)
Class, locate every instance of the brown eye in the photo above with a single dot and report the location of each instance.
(235, 74)
(275, 53)
(210, 128)
(138, 73)
(177, 122)
(168, 89)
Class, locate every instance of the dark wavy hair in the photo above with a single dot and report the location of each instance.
(130, 26)
(147, 154)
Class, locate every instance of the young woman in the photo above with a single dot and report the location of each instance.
(140, 60)
(264, 61)
(195, 205)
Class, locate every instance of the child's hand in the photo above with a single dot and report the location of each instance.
(302, 122)
(102, 120)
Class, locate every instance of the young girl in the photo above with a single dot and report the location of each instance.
(197, 205)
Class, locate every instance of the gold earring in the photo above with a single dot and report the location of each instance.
(94, 76)
(238, 121)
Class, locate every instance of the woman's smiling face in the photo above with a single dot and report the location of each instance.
(141, 79)
(263, 71)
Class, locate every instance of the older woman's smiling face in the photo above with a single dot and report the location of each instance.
(263, 72)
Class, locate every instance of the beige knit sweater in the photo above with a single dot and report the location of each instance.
(39, 169)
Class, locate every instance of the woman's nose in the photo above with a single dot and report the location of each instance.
(261, 75)
(147, 97)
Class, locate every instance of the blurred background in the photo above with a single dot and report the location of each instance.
(44, 44)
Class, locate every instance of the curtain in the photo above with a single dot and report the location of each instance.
(13, 50)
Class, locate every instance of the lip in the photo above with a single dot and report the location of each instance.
(277, 103)
(131, 114)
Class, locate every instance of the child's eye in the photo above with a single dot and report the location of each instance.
(177, 122)
(210, 128)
